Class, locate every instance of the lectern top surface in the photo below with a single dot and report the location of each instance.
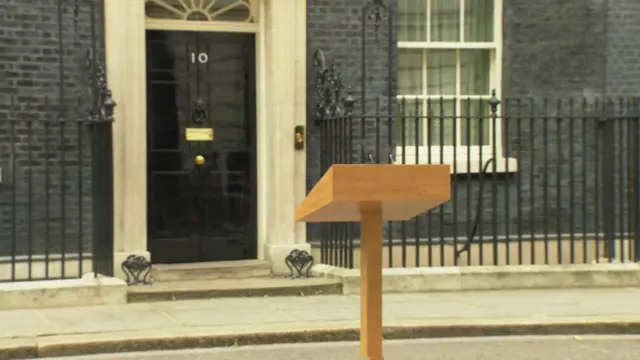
(403, 191)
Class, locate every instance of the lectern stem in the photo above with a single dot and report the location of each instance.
(371, 282)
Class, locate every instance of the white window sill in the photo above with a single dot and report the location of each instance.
(462, 164)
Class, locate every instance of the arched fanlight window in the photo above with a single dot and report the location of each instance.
(203, 10)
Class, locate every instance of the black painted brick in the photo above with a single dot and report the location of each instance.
(44, 91)
(335, 26)
(552, 49)
(622, 45)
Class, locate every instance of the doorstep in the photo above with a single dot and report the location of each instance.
(246, 287)
(247, 278)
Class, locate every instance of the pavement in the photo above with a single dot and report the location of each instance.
(513, 348)
(225, 322)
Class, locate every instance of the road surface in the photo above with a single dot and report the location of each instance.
(512, 348)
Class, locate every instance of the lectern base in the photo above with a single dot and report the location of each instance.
(360, 192)
(371, 281)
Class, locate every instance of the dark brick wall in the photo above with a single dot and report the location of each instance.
(623, 76)
(558, 51)
(335, 26)
(622, 45)
(572, 48)
(552, 49)
(45, 194)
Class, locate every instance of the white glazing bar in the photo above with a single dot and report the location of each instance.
(428, 20)
(445, 45)
(462, 27)
(458, 94)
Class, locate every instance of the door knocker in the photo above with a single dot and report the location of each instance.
(198, 115)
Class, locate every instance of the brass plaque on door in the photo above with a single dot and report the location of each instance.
(199, 134)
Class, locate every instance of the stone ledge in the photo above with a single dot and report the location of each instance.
(177, 339)
(18, 349)
(88, 290)
(407, 280)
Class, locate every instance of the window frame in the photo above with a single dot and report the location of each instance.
(463, 158)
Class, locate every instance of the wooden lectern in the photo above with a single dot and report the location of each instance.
(370, 194)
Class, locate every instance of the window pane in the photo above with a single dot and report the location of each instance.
(445, 20)
(475, 115)
(412, 20)
(409, 72)
(440, 122)
(475, 70)
(478, 20)
(411, 111)
(441, 72)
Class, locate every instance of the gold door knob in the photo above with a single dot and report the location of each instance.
(199, 160)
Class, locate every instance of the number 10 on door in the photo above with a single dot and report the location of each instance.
(201, 58)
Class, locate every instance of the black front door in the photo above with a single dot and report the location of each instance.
(201, 146)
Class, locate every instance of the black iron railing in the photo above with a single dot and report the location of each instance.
(55, 198)
(534, 181)
(56, 175)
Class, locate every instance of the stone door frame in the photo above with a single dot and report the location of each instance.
(280, 30)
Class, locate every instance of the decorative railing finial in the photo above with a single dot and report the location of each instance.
(328, 87)
(349, 102)
(105, 104)
(108, 105)
(494, 102)
(377, 12)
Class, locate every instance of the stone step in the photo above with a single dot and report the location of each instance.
(211, 271)
(248, 287)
